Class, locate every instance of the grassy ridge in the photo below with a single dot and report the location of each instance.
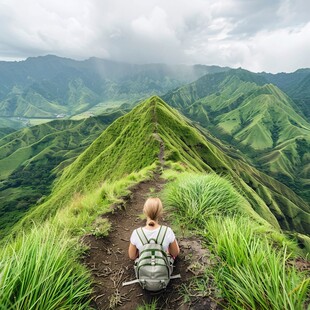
(211, 207)
(255, 117)
(131, 143)
(126, 146)
(185, 144)
(31, 158)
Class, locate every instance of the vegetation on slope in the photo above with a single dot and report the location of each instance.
(248, 249)
(240, 108)
(90, 185)
(31, 158)
(296, 85)
(132, 142)
(41, 268)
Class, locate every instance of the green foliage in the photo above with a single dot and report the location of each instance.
(198, 197)
(253, 272)
(77, 212)
(241, 109)
(101, 227)
(39, 271)
(149, 306)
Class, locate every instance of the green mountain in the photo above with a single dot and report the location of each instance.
(5, 131)
(31, 158)
(49, 87)
(133, 142)
(242, 109)
(296, 85)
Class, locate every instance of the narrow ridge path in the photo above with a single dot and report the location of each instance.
(110, 266)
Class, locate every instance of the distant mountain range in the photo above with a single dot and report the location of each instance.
(51, 87)
(244, 110)
(235, 120)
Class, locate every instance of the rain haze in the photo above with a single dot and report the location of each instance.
(258, 35)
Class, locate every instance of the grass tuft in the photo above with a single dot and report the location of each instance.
(196, 197)
(39, 271)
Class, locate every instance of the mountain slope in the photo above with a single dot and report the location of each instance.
(296, 85)
(134, 141)
(240, 108)
(31, 158)
(44, 87)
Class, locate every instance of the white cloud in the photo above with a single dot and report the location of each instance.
(258, 34)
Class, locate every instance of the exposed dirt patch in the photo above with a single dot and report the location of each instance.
(110, 266)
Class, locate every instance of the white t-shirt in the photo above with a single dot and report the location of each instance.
(169, 238)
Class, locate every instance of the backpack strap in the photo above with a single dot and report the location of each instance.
(161, 235)
(142, 236)
(159, 239)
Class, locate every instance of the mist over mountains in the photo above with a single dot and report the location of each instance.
(258, 119)
(50, 87)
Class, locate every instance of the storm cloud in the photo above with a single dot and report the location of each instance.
(259, 35)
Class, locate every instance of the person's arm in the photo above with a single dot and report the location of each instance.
(133, 252)
(174, 249)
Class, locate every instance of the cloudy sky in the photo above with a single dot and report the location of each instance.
(259, 35)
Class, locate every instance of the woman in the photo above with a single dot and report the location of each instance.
(153, 209)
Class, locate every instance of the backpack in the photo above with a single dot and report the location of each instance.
(154, 267)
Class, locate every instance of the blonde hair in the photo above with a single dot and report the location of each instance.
(153, 209)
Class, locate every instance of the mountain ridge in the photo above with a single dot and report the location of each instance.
(48, 86)
(130, 144)
(257, 119)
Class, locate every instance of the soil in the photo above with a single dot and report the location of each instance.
(110, 266)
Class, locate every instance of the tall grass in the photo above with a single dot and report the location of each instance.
(83, 209)
(196, 197)
(40, 271)
(253, 273)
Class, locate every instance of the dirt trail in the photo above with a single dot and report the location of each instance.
(110, 265)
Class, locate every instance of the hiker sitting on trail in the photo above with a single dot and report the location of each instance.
(153, 209)
(154, 248)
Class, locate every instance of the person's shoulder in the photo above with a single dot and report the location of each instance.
(169, 230)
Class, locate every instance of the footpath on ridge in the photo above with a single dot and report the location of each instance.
(108, 261)
(110, 265)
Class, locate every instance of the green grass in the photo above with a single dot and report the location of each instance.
(253, 272)
(197, 197)
(80, 215)
(40, 271)
(39, 267)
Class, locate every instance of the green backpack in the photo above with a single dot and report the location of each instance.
(153, 268)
